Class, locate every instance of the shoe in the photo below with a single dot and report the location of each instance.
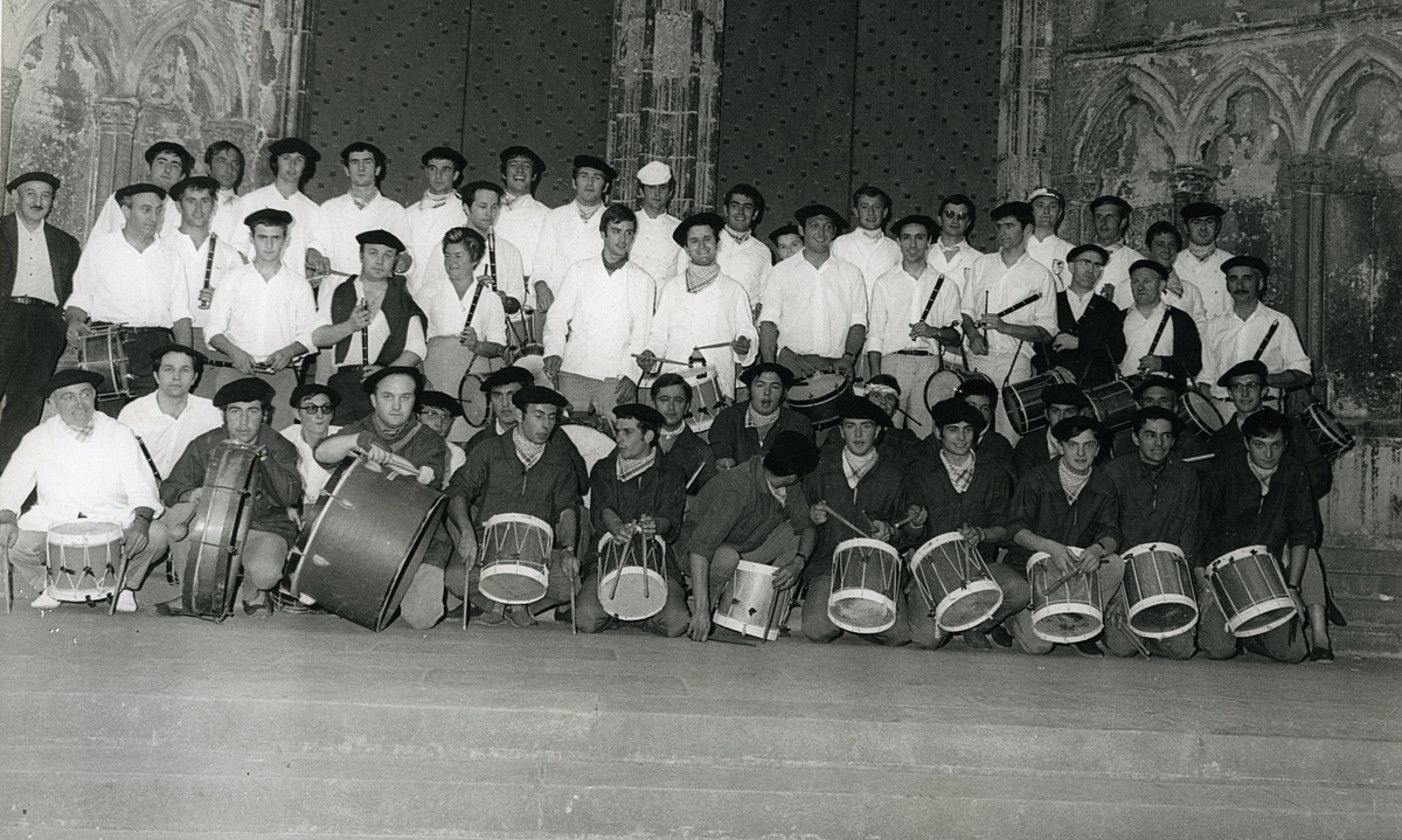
(1321, 654)
(126, 601)
(1001, 637)
(1089, 649)
(976, 640)
(45, 601)
(562, 615)
(492, 618)
(520, 616)
(258, 604)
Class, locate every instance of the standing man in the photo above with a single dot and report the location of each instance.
(746, 429)
(206, 256)
(167, 419)
(787, 241)
(570, 233)
(1110, 214)
(814, 310)
(951, 254)
(127, 278)
(602, 318)
(363, 207)
(1201, 262)
(742, 255)
(1048, 211)
(1088, 342)
(1012, 283)
(166, 163)
(293, 162)
(702, 309)
(1164, 243)
(438, 212)
(914, 315)
(656, 249)
(868, 247)
(522, 216)
(1252, 330)
(1157, 337)
(37, 262)
(224, 163)
(313, 405)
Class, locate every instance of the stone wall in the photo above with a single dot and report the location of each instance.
(89, 84)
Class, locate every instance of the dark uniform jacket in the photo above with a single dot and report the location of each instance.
(1158, 505)
(1102, 342)
(496, 481)
(730, 439)
(1235, 514)
(737, 508)
(63, 259)
(879, 496)
(690, 453)
(279, 486)
(983, 505)
(1039, 505)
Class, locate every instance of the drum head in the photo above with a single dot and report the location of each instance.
(1067, 628)
(474, 402)
(632, 593)
(1163, 619)
(816, 387)
(967, 608)
(513, 583)
(1202, 412)
(861, 611)
(942, 384)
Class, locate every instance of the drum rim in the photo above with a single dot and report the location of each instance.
(1239, 554)
(845, 383)
(54, 536)
(1257, 609)
(700, 372)
(1149, 548)
(866, 542)
(1158, 600)
(982, 585)
(1068, 608)
(861, 594)
(932, 543)
(724, 620)
(520, 519)
(752, 566)
(1042, 555)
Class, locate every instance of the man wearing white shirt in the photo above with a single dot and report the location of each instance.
(1201, 262)
(1110, 215)
(522, 216)
(1045, 246)
(263, 314)
(363, 207)
(166, 163)
(814, 311)
(742, 256)
(868, 247)
(1252, 330)
(1157, 336)
(701, 308)
(81, 463)
(571, 232)
(950, 253)
(314, 404)
(1163, 243)
(225, 164)
(603, 316)
(914, 312)
(787, 241)
(127, 278)
(455, 345)
(437, 212)
(372, 321)
(501, 266)
(293, 162)
(1001, 346)
(655, 250)
(167, 419)
(206, 256)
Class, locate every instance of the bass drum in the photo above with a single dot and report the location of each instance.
(218, 530)
(943, 384)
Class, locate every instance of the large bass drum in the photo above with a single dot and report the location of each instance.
(362, 543)
(218, 530)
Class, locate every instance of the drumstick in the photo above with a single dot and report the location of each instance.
(699, 467)
(663, 361)
(901, 523)
(1196, 458)
(718, 345)
(9, 586)
(835, 515)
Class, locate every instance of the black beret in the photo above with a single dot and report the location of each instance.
(1011, 210)
(70, 377)
(311, 389)
(784, 230)
(379, 236)
(1250, 367)
(440, 400)
(884, 380)
(1159, 379)
(977, 386)
(538, 395)
(785, 375)
(710, 220)
(186, 159)
(803, 214)
(1065, 393)
(955, 410)
(853, 407)
(591, 162)
(157, 354)
(1112, 200)
(930, 225)
(644, 414)
(1152, 265)
(444, 153)
(509, 375)
(268, 216)
(1201, 210)
(1076, 252)
(511, 152)
(368, 386)
(21, 180)
(792, 454)
(1074, 425)
(140, 189)
(1247, 261)
(248, 389)
(195, 182)
(294, 146)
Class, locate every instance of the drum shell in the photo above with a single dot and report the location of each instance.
(1078, 598)
(1113, 404)
(1201, 414)
(632, 585)
(220, 525)
(87, 540)
(103, 351)
(1158, 586)
(955, 582)
(1023, 402)
(816, 398)
(866, 577)
(1251, 591)
(1328, 434)
(363, 542)
(747, 602)
(521, 576)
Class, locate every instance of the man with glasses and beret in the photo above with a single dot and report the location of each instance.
(168, 418)
(437, 411)
(1088, 341)
(166, 163)
(571, 232)
(313, 405)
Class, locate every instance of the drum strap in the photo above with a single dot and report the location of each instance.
(1265, 342)
(1158, 334)
(209, 259)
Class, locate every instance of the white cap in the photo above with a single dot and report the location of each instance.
(1046, 191)
(654, 174)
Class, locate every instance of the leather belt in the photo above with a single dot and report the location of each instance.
(914, 353)
(24, 300)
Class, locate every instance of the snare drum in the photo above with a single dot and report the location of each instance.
(632, 577)
(1158, 587)
(1023, 400)
(706, 398)
(103, 351)
(473, 400)
(82, 559)
(816, 397)
(1251, 591)
(1070, 613)
(749, 603)
(1113, 404)
(942, 384)
(955, 583)
(865, 584)
(1201, 413)
(209, 583)
(1326, 431)
(515, 558)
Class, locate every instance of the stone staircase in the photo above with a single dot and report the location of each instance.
(1367, 587)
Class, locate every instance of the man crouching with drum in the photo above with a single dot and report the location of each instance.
(247, 408)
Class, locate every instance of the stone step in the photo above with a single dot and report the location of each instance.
(543, 798)
(1365, 584)
(1368, 643)
(1361, 560)
(1371, 612)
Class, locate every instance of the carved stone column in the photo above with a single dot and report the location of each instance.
(1024, 105)
(9, 92)
(1309, 177)
(116, 125)
(664, 97)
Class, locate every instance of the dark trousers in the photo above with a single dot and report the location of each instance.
(355, 403)
(31, 340)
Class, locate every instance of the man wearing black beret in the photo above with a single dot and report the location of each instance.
(438, 410)
(314, 406)
(1201, 262)
(1157, 337)
(746, 429)
(570, 232)
(362, 208)
(1245, 384)
(166, 163)
(293, 162)
(1088, 341)
(1062, 399)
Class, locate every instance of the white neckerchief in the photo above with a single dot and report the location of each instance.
(856, 467)
(529, 453)
(740, 238)
(780, 494)
(1262, 476)
(872, 235)
(754, 420)
(1071, 483)
(628, 470)
(1202, 253)
(433, 202)
(960, 475)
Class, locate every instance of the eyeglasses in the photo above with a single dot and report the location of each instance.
(316, 408)
(434, 413)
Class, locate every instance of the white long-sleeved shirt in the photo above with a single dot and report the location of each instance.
(1190, 302)
(685, 320)
(565, 239)
(226, 259)
(871, 251)
(34, 274)
(104, 478)
(520, 223)
(1050, 252)
(1207, 275)
(898, 300)
(428, 219)
(111, 220)
(226, 221)
(511, 276)
(1139, 331)
(1230, 340)
(958, 269)
(115, 282)
(815, 307)
(654, 250)
(1117, 272)
(746, 260)
(599, 319)
(447, 313)
(343, 221)
(378, 332)
(262, 316)
(314, 475)
(1006, 286)
(166, 437)
(306, 231)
